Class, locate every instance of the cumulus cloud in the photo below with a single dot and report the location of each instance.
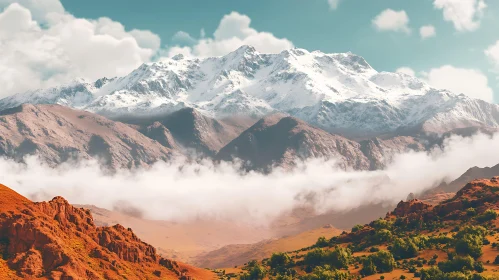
(40, 9)
(427, 31)
(234, 30)
(42, 45)
(492, 53)
(333, 4)
(390, 20)
(180, 191)
(464, 14)
(182, 38)
(406, 70)
(461, 80)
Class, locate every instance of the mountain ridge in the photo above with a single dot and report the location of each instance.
(340, 93)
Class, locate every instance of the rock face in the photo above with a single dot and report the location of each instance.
(193, 132)
(58, 134)
(479, 194)
(405, 208)
(282, 140)
(54, 240)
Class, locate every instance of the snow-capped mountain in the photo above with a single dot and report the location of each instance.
(338, 92)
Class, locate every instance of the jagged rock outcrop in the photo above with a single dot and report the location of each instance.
(54, 240)
(405, 208)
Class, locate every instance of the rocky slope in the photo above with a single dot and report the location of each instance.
(470, 175)
(282, 140)
(58, 134)
(340, 93)
(192, 131)
(54, 240)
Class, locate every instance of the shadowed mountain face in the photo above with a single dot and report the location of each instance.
(282, 140)
(58, 134)
(54, 240)
(470, 175)
(193, 132)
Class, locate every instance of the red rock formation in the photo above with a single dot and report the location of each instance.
(481, 195)
(405, 208)
(54, 240)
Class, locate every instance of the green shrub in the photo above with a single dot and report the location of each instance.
(381, 236)
(458, 264)
(326, 273)
(486, 216)
(404, 248)
(338, 258)
(432, 273)
(380, 262)
(321, 242)
(357, 228)
(471, 212)
(469, 245)
(479, 267)
(473, 230)
(374, 249)
(368, 267)
(381, 224)
(478, 277)
(257, 272)
(279, 260)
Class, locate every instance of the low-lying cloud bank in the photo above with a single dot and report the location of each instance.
(179, 191)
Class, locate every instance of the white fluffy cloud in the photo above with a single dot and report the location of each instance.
(233, 31)
(407, 71)
(461, 80)
(333, 4)
(42, 45)
(390, 20)
(492, 53)
(222, 191)
(427, 31)
(464, 14)
(183, 39)
(40, 9)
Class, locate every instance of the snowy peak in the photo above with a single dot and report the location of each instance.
(338, 92)
(74, 94)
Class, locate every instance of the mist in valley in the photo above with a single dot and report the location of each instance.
(182, 191)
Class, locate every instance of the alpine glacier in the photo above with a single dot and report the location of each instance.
(339, 92)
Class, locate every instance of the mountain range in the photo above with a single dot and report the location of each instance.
(340, 93)
(264, 109)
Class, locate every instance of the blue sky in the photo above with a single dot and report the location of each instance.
(310, 24)
(461, 39)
